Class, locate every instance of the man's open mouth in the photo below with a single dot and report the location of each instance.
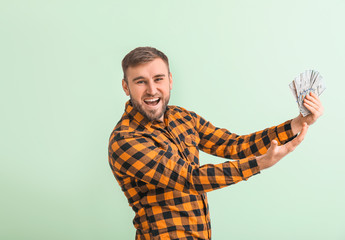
(152, 101)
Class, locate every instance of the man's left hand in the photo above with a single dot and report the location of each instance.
(313, 104)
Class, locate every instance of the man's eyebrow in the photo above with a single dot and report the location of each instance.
(155, 76)
(137, 78)
(159, 75)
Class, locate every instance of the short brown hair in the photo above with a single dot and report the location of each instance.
(141, 55)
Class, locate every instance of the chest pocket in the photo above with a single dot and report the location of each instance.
(191, 149)
(190, 141)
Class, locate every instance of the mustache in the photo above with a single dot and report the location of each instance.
(152, 96)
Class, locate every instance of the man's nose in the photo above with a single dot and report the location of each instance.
(151, 88)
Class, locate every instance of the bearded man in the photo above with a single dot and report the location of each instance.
(154, 152)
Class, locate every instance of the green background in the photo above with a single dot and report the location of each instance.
(231, 62)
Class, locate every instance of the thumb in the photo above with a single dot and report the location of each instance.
(274, 144)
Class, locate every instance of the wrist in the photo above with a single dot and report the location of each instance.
(296, 124)
(261, 162)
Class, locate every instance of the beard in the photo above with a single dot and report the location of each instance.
(151, 115)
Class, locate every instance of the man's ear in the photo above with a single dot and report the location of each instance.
(170, 81)
(125, 87)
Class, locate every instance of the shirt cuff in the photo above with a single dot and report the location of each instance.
(248, 167)
(284, 132)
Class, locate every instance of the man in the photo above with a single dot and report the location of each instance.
(153, 152)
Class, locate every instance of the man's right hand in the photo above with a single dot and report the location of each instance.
(275, 152)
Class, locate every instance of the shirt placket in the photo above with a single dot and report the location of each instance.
(203, 196)
(170, 135)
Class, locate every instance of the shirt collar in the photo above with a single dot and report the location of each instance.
(138, 117)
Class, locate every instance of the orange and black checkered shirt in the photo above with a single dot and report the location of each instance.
(157, 167)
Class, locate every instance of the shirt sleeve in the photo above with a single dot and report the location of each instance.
(220, 142)
(147, 160)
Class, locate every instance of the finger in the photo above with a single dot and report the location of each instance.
(312, 108)
(313, 100)
(274, 144)
(313, 97)
(313, 94)
(316, 101)
(315, 110)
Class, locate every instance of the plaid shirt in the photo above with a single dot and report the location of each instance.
(157, 167)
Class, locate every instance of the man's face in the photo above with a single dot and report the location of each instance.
(148, 86)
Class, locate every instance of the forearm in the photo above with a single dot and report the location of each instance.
(238, 147)
(210, 177)
(140, 158)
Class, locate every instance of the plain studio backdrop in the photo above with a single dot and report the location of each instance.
(232, 62)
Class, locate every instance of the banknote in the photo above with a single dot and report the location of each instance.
(306, 82)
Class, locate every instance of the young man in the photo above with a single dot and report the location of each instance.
(154, 152)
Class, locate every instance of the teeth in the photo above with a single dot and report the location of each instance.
(151, 100)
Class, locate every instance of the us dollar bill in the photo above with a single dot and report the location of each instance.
(306, 82)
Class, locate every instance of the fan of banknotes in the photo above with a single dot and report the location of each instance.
(303, 84)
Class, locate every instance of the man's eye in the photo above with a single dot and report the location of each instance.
(159, 79)
(140, 82)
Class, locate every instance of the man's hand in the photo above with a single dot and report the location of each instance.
(313, 104)
(275, 152)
